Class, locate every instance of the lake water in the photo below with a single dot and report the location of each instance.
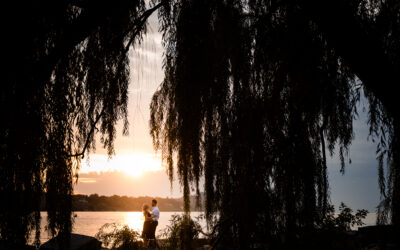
(89, 223)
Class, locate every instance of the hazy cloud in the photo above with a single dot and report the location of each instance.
(119, 183)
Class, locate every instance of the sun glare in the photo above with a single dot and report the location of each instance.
(134, 165)
(135, 221)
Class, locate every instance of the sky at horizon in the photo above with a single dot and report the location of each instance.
(136, 169)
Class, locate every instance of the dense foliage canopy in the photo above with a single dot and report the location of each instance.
(254, 92)
(66, 78)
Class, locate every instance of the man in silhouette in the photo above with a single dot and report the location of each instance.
(155, 214)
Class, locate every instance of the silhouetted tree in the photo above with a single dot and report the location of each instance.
(66, 78)
(255, 91)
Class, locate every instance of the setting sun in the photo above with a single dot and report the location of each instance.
(134, 165)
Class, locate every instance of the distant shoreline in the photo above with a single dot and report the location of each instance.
(116, 203)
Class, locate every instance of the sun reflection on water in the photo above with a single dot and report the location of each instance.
(134, 220)
(89, 223)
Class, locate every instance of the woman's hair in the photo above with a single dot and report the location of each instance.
(145, 209)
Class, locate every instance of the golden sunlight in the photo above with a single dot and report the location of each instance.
(134, 220)
(134, 165)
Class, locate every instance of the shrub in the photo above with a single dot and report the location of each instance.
(344, 220)
(118, 237)
(182, 232)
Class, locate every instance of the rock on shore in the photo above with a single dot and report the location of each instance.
(78, 242)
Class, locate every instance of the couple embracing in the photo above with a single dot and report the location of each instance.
(150, 222)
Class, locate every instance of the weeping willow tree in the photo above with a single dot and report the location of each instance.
(254, 94)
(66, 79)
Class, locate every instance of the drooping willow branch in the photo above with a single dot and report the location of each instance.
(139, 25)
(89, 136)
(141, 22)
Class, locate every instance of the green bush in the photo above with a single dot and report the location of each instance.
(182, 232)
(119, 237)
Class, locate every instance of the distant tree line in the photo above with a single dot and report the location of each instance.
(95, 202)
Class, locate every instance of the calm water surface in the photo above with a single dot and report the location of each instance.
(89, 223)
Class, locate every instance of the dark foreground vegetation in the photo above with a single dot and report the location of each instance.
(183, 232)
(255, 95)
